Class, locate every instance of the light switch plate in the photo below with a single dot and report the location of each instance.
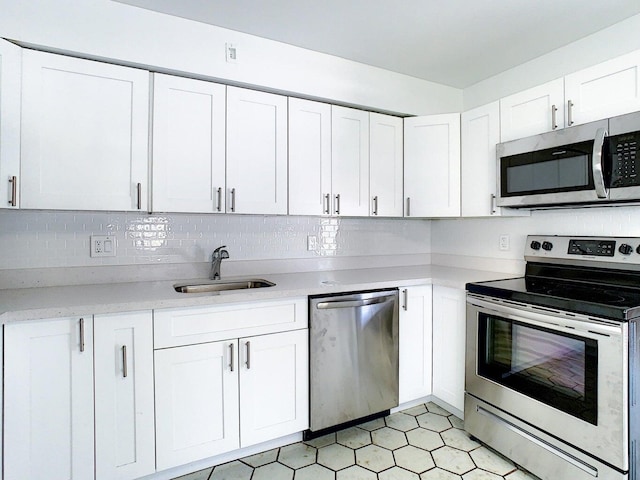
(103, 246)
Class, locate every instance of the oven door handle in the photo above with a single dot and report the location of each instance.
(596, 164)
(547, 318)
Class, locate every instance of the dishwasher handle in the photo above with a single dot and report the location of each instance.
(351, 303)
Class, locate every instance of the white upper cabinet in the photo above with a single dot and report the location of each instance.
(536, 110)
(605, 90)
(432, 166)
(480, 129)
(48, 400)
(124, 409)
(350, 161)
(309, 157)
(386, 165)
(10, 76)
(256, 152)
(84, 134)
(189, 129)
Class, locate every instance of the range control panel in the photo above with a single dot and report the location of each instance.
(574, 250)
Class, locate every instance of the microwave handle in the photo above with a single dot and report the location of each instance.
(596, 165)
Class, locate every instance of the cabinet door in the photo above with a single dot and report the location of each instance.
(604, 90)
(48, 404)
(256, 152)
(350, 161)
(309, 157)
(432, 166)
(189, 135)
(196, 391)
(125, 439)
(536, 110)
(480, 131)
(274, 386)
(386, 158)
(449, 309)
(84, 134)
(10, 74)
(415, 343)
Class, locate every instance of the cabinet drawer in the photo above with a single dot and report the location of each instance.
(185, 326)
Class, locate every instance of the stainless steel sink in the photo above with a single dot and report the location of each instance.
(208, 286)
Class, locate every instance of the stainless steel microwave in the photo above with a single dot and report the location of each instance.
(593, 163)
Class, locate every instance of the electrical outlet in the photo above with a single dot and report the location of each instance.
(103, 246)
(504, 242)
(232, 52)
(312, 243)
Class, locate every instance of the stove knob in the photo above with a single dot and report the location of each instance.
(625, 249)
(535, 245)
(547, 246)
(638, 249)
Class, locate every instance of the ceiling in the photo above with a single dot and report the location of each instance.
(453, 42)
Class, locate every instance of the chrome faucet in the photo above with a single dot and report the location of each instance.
(216, 260)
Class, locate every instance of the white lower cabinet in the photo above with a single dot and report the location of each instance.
(274, 386)
(51, 369)
(196, 402)
(415, 343)
(449, 312)
(123, 376)
(48, 400)
(216, 397)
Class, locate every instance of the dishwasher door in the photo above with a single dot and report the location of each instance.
(353, 356)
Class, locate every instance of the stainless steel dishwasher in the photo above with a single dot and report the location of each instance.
(353, 357)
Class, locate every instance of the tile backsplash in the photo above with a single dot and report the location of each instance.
(37, 239)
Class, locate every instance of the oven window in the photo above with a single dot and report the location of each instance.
(558, 369)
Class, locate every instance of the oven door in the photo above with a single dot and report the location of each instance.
(555, 371)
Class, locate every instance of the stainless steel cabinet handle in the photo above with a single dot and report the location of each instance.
(326, 203)
(492, 199)
(405, 293)
(337, 205)
(233, 199)
(14, 191)
(569, 112)
(408, 206)
(82, 334)
(124, 362)
(219, 199)
(231, 355)
(248, 363)
(139, 196)
(554, 123)
(350, 303)
(375, 205)
(596, 164)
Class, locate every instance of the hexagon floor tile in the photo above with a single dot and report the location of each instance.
(423, 442)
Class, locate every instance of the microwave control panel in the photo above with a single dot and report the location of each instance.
(625, 163)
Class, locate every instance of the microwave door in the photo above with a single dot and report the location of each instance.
(554, 168)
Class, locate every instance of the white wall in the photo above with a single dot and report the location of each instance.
(37, 239)
(479, 237)
(621, 38)
(111, 30)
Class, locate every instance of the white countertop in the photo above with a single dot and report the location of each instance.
(62, 301)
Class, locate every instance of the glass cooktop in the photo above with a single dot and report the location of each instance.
(599, 300)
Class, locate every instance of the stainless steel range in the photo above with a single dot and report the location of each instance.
(553, 363)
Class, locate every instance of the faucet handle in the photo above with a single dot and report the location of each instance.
(220, 253)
